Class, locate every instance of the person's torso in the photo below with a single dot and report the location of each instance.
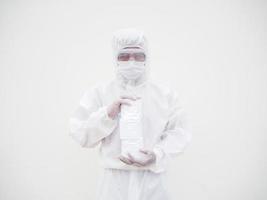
(155, 111)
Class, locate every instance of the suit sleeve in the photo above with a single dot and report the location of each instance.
(90, 123)
(177, 135)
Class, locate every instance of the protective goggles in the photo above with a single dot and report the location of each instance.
(135, 54)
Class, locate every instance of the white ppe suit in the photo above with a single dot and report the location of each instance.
(164, 126)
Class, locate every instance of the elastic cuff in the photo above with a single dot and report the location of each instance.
(158, 165)
(158, 152)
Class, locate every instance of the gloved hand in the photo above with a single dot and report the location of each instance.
(149, 158)
(115, 108)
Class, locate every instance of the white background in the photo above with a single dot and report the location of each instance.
(214, 53)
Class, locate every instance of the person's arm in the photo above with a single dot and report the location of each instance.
(177, 135)
(90, 123)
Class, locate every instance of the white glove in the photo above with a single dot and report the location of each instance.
(115, 108)
(148, 158)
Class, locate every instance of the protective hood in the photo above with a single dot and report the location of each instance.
(130, 37)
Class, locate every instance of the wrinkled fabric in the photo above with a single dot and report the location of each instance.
(130, 37)
(165, 130)
(164, 123)
(132, 185)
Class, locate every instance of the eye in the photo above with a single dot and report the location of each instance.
(123, 57)
(140, 57)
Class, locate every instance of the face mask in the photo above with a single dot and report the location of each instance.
(130, 69)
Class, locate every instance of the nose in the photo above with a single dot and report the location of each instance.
(131, 58)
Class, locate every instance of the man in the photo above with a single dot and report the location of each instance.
(165, 133)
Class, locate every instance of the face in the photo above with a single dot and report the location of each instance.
(131, 62)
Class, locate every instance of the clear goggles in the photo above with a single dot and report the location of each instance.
(136, 54)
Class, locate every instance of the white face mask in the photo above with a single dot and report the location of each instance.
(130, 69)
